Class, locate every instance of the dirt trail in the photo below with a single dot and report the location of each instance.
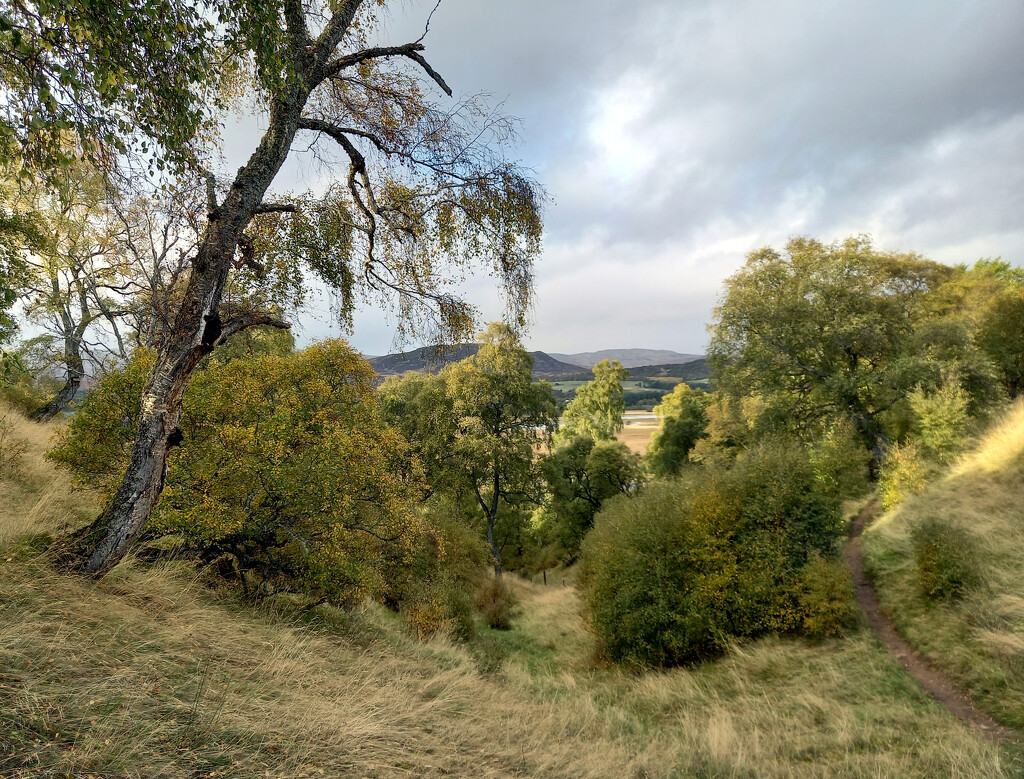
(935, 683)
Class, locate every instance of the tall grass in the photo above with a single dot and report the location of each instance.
(980, 638)
(155, 672)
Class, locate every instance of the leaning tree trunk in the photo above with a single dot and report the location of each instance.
(76, 371)
(196, 330)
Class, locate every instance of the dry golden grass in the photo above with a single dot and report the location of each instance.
(637, 435)
(35, 497)
(150, 672)
(979, 640)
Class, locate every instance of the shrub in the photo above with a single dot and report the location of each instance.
(444, 608)
(826, 597)
(285, 467)
(941, 419)
(12, 449)
(685, 568)
(841, 460)
(495, 602)
(902, 475)
(945, 559)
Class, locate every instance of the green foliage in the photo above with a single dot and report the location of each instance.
(442, 608)
(96, 444)
(476, 426)
(110, 75)
(687, 567)
(684, 422)
(840, 460)
(826, 599)
(902, 475)
(286, 468)
(945, 558)
(496, 604)
(596, 410)
(1001, 336)
(818, 329)
(581, 474)
(941, 419)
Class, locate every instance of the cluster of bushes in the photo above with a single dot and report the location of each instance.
(287, 479)
(689, 566)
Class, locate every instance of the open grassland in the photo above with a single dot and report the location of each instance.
(978, 640)
(637, 434)
(155, 672)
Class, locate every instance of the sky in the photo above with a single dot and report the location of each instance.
(675, 137)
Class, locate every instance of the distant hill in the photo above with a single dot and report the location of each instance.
(694, 370)
(630, 358)
(432, 358)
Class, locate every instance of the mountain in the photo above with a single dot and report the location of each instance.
(692, 371)
(432, 358)
(630, 358)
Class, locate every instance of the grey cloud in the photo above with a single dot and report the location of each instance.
(677, 136)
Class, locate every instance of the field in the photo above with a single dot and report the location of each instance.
(637, 434)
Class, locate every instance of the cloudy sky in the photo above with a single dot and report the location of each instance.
(676, 136)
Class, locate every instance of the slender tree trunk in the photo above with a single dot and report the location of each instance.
(492, 515)
(495, 552)
(75, 372)
(196, 330)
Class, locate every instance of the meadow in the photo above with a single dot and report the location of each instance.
(156, 670)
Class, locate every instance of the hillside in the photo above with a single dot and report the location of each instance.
(432, 358)
(158, 671)
(977, 639)
(694, 371)
(629, 358)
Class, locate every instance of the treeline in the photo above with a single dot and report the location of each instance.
(834, 366)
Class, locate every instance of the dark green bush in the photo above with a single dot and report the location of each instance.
(496, 604)
(945, 558)
(679, 572)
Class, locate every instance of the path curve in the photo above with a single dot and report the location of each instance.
(934, 682)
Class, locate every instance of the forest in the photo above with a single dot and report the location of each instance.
(224, 554)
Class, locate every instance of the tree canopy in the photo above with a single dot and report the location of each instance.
(596, 410)
(844, 329)
(425, 191)
(477, 425)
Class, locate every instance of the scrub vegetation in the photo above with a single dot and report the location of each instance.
(225, 556)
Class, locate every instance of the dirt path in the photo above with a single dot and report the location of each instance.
(935, 683)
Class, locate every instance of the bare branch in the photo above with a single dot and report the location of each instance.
(410, 50)
(237, 324)
(273, 208)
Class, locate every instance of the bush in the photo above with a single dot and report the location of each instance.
(945, 559)
(285, 468)
(826, 599)
(443, 609)
(941, 419)
(679, 572)
(841, 460)
(12, 449)
(496, 603)
(902, 475)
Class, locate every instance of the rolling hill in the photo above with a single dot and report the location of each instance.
(630, 358)
(433, 358)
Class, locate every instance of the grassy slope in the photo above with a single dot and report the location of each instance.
(980, 640)
(149, 672)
